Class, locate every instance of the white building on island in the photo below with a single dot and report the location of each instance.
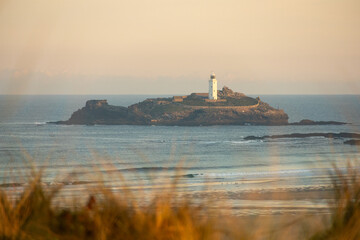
(213, 87)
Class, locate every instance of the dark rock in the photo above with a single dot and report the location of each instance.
(100, 112)
(6, 185)
(190, 175)
(94, 104)
(306, 135)
(253, 138)
(227, 92)
(352, 142)
(310, 122)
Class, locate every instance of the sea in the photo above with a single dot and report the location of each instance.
(203, 163)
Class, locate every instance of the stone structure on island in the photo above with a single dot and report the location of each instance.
(217, 107)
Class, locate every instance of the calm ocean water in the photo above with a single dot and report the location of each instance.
(215, 161)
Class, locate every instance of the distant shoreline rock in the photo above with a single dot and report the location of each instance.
(306, 135)
(306, 122)
(353, 142)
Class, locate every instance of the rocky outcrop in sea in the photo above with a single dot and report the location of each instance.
(231, 108)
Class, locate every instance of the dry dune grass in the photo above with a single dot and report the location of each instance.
(345, 218)
(107, 215)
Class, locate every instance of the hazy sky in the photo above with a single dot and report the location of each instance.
(171, 46)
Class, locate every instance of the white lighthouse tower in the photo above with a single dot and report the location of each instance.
(213, 87)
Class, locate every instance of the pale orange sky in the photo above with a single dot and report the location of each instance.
(171, 46)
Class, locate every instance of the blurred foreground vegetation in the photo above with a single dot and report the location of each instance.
(115, 216)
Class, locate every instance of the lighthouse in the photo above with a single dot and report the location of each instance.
(212, 87)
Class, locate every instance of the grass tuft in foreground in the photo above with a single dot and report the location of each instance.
(345, 217)
(105, 215)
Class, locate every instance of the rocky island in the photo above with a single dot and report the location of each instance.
(217, 107)
(230, 108)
